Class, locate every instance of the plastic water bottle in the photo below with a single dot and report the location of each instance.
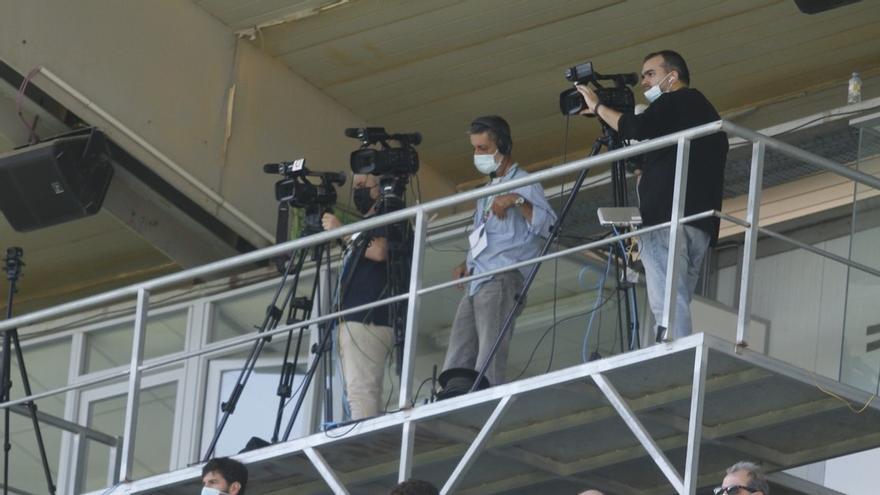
(854, 94)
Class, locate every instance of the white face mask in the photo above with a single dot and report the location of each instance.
(486, 164)
(652, 94)
(211, 491)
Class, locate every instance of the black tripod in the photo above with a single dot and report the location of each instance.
(400, 239)
(298, 309)
(611, 140)
(13, 264)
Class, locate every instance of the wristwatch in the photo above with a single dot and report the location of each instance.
(519, 201)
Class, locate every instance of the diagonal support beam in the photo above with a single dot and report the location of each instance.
(476, 446)
(325, 471)
(695, 425)
(639, 431)
(501, 440)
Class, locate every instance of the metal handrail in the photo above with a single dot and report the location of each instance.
(241, 340)
(347, 230)
(419, 212)
(438, 204)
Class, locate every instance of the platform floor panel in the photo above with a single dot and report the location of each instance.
(560, 433)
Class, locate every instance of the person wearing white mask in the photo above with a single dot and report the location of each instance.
(224, 476)
(507, 228)
(674, 106)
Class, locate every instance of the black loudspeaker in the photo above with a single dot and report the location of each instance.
(55, 181)
(816, 6)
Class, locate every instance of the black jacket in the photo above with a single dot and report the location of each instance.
(673, 112)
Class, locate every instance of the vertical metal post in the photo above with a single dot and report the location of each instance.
(134, 386)
(408, 440)
(409, 342)
(676, 236)
(750, 246)
(695, 420)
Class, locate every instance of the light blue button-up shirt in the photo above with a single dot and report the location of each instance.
(511, 239)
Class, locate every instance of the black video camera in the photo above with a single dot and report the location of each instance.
(296, 190)
(618, 97)
(386, 160)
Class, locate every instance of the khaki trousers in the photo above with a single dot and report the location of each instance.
(363, 352)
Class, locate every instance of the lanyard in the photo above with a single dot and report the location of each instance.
(487, 206)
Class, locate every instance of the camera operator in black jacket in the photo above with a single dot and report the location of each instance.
(674, 106)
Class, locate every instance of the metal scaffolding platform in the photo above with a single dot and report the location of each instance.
(624, 424)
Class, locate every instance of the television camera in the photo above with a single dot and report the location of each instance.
(619, 96)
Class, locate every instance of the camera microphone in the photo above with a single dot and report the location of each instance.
(285, 167)
(273, 168)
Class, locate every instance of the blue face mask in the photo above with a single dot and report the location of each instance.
(486, 164)
(652, 94)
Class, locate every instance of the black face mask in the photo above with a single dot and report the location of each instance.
(362, 200)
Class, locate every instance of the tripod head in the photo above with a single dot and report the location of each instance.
(13, 263)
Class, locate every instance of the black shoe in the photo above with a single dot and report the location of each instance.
(458, 381)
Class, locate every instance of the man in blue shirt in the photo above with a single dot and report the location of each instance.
(507, 228)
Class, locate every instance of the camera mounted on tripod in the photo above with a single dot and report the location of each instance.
(299, 192)
(619, 96)
(386, 160)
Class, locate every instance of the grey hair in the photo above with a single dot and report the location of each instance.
(757, 479)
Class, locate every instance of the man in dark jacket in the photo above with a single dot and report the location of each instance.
(674, 106)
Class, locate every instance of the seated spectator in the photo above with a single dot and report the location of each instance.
(743, 478)
(224, 476)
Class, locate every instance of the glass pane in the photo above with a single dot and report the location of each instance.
(256, 410)
(547, 336)
(860, 353)
(111, 347)
(153, 438)
(47, 366)
(242, 313)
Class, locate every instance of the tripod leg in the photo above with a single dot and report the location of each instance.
(305, 387)
(288, 370)
(6, 447)
(32, 408)
(322, 302)
(325, 331)
(270, 321)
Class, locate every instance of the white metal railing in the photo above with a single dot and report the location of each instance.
(420, 214)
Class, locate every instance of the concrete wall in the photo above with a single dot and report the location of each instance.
(165, 69)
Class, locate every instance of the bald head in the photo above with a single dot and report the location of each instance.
(591, 492)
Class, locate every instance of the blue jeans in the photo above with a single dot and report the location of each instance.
(654, 252)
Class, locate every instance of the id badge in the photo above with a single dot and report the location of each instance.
(478, 241)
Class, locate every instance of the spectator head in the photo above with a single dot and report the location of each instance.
(743, 478)
(224, 475)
